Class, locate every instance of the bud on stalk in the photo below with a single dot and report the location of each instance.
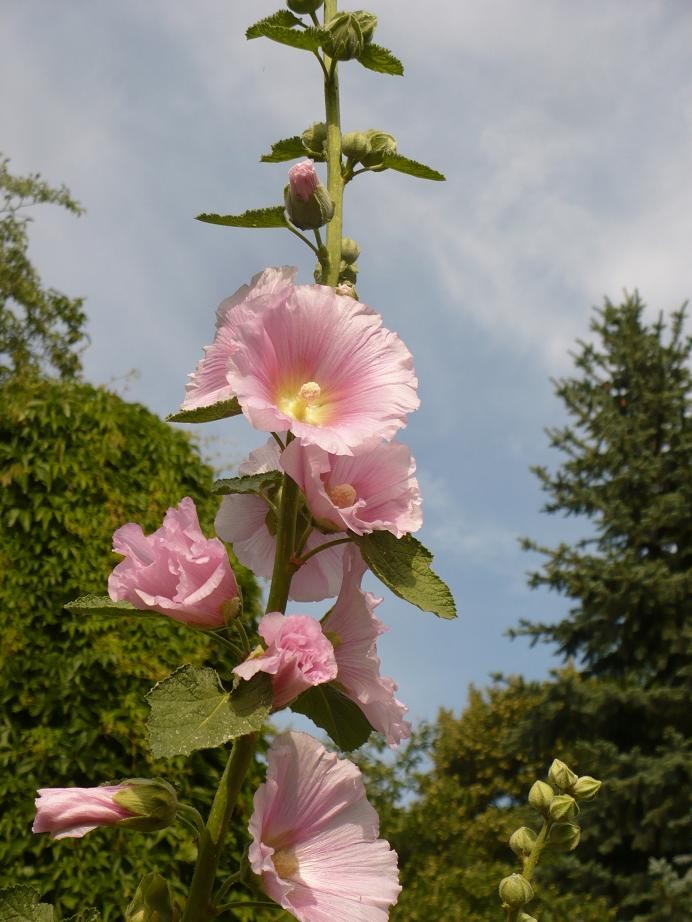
(515, 891)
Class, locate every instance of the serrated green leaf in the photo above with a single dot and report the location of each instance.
(336, 714)
(403, 565)
(191, 710)
(307, 39)
(280, 18)
(250, 483)
(22, 904)
(100, 605)
(255, 217)
(286, 149)
(374, 57)
(221, 410)
(411, 167)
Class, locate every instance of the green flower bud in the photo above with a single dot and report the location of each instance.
(348, 289)
(381, 143)
(586, 787)
(314, 140)
(515, 891)
(307, 202)
(522, 841)
(562, 807)
(561, 775)
(151, 800)
(355, 145)
(540, 796)
(152, 901)
(304, 6)
(523, 917)
(349, 250)
(344, 39)
(564, 836)
(348, 273)
(367, 22)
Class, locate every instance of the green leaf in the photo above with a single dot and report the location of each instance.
(251, 483)
(340, 717)
(411, 167)
(287, 149)
(309, 39)
(100, 605)
(281, 18)
(221, 410)
(403, 565)
(374, 57)
(255, 217)
(22, 904)
(191, 710)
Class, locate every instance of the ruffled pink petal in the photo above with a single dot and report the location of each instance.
(72, 812)
(315, 805)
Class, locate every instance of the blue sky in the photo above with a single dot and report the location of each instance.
(565, 131)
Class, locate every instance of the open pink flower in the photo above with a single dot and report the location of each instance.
(374, 490)
(298, 656)
(242, 520)
(72, 812)
(177, 571)
(353, 629)
(208, 383)
(314, 837)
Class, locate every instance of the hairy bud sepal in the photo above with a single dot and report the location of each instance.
(562, 807)
(314, 139)
(152, 901)
(152, 801)
(381, 143)
(522, 841)
(344, 40)
(540, 797)
(561, 775)
(355, 145)
(515, 891)
(564, 836)
(586, 788)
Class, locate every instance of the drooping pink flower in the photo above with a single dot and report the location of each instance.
(374, 490)
(208, 383)
(353, 629)
(176, 571)
(315, 838)
(242, 521)
(298, 656)
(303, 179)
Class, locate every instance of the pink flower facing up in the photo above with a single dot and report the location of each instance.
(374, 490)
(307, 359)
(353, 629)
(314, 837)
(208, 383)
(177, 571)
(242, 520)
(298, 656)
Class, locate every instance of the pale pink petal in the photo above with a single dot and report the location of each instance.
(72, 812)
(176, 571)
(354, 629)
(314, 834)
(303, 179)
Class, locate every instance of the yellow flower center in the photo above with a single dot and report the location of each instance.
(342, 494)
(303, 405)
(285, 863)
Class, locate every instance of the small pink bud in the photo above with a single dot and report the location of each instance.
(303, 179)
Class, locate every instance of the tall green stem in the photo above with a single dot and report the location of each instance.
(335, 183)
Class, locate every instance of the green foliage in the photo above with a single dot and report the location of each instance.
(403, 565)
(401, 164)
(191, 710)
(256, 217)
(248, 483)
(76, 462)
(286, 149)
(22, 904)
(381, 60)
(339, 716)
(221, 410)
(40, 328)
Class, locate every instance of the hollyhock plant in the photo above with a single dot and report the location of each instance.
(374, 490)
(242, 521)
(353, 629)
(208, 383)
(176, 571)
(306, 359)
(315, 838)
(297, 656)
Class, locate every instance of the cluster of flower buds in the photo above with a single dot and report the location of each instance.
(348, 34)
(369, 148)
(556, 802)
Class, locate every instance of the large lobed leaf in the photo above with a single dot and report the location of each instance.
(403, 565)
(191, 710)
(255, 217)
(22, 904)
(336, 714)
(411, 167)
(379, 59)
(286, 149)
(250, 483)
(279, 27)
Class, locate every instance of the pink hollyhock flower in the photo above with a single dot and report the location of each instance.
(353, 629)
(242, 521)
(176, 571)
(208, 383)
(140, 803)
(303, 179)
(298, 656)
(314, 837)
(374, 490)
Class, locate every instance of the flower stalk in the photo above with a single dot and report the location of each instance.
(335, 183)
